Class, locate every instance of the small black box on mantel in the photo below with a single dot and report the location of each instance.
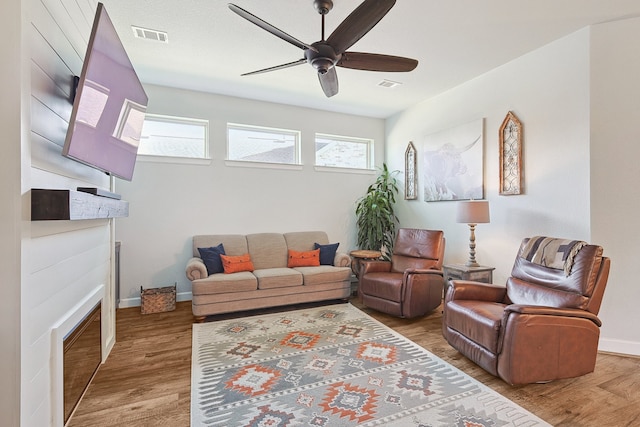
(158, 300)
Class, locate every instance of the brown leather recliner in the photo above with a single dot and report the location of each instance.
(409, 285)
(541, 327)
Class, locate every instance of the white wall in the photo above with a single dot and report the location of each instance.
(11, 108)
(615, 197)
(578, 101)
(169, 203)
(548, 90)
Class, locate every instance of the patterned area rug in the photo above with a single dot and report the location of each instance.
(332, 366)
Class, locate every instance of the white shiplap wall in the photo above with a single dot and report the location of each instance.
(64, 262)
(12, 104)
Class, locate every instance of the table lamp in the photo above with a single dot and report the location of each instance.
(472, 212)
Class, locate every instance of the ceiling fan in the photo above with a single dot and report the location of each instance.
(325, 55)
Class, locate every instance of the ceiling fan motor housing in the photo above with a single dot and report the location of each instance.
(322, 60)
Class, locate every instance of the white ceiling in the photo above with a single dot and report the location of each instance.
(453, 40)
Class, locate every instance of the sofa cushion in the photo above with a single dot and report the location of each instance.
(304, 240)
(235, 264)
(324, 274)
(270, 278)
(480, 321)
(224, 283)
(303, 259)
(211, 258)
(268, 250)
(327, 252)
(234, 244)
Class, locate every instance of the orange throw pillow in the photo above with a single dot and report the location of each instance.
(234, 264)
(303, 259)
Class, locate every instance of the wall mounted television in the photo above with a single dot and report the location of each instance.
(108, 107)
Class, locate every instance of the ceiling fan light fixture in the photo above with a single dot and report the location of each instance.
(322, 65)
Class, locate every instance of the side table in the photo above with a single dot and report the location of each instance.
(362, 255)
(463, 272)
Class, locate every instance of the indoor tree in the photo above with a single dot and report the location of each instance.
(375, 217)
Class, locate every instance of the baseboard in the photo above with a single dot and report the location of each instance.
(630, 348)
(135, 302)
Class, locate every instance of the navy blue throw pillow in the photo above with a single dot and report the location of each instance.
(211, 258)
(327, 252)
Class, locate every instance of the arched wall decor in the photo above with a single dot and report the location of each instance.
(410, 175)
(510, 150)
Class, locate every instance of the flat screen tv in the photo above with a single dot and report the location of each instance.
(108, 107)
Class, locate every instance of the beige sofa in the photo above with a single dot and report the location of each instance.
(271, 283)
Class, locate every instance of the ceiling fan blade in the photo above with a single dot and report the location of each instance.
(376, 62)
(270, 28)
(277, 67)
(358, 23)
(329, 82)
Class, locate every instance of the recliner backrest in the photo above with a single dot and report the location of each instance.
(417, 248)
(533, 284)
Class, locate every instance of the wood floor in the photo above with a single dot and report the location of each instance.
(146, 379)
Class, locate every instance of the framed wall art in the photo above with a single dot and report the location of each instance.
(453, 163)
(410, 177)
(510, 136)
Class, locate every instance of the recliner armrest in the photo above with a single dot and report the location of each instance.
(196, 269)
(550, 311)
(478, 291)
(423, 271)
(426, 271)
(374, 266)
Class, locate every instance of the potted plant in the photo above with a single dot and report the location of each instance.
(375, 217)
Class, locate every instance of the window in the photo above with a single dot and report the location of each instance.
(166, 136)
(344, 152)
(266, 145)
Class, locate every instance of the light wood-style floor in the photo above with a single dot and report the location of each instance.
(146, 379)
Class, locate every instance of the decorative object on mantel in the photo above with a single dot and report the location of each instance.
(453, 163)
(510, 149)
(410, 177)
(472, 212)
(59, 204)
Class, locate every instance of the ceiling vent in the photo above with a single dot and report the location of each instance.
(389, 84)
(145, 33)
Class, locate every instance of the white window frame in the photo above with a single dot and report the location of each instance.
(205, 159)
(297, 164)
(370, 147)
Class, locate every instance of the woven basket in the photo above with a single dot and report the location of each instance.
(158, 300)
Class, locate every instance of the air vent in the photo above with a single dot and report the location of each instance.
(145, 33)
(389, 84)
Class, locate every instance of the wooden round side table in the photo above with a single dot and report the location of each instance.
(362, 255)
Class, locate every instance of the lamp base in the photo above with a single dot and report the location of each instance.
(471, 262)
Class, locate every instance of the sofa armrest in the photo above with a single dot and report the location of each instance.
(478, 291)
(342, 260)
(196, 269)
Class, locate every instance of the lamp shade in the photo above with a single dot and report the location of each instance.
(473, 212)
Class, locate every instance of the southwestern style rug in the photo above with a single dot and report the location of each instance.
(332, 366)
